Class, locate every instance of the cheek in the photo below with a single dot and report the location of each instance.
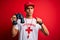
(27, 10)
(32, 10)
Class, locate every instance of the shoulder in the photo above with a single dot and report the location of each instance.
(34, 19)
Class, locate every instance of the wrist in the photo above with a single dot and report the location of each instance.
(14, 23)
(41, 23)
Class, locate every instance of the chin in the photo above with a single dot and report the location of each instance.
(30, 14)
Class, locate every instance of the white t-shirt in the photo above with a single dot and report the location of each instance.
(28, 30)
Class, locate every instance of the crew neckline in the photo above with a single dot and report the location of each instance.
(28, 18)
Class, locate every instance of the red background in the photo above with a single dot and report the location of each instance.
(48, 10)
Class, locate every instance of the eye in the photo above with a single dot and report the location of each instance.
(31, 8)
(27, 8)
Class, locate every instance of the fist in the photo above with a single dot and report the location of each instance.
(38, 20)
(14, 18)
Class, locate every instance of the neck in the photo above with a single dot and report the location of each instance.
(30, 17)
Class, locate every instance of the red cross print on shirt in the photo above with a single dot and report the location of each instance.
(28, 30)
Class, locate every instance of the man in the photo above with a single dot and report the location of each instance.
(29, 29)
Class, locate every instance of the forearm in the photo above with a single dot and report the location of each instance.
(44, 29)
(14, 31)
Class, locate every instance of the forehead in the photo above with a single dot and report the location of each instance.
(30, 7)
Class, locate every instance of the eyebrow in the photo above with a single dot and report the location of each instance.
(28, 8)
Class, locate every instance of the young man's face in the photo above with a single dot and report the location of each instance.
(29, 10)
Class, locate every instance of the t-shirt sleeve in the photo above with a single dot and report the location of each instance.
(18, 26)
(39, 26)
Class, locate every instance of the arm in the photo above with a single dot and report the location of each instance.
(14, 31)
(16, 24)
(43, 29)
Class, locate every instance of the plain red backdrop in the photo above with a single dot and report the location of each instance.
(48, 10)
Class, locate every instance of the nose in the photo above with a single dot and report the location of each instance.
(29, 9)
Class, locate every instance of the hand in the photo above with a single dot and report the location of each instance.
(39, 20)
(14, 18)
